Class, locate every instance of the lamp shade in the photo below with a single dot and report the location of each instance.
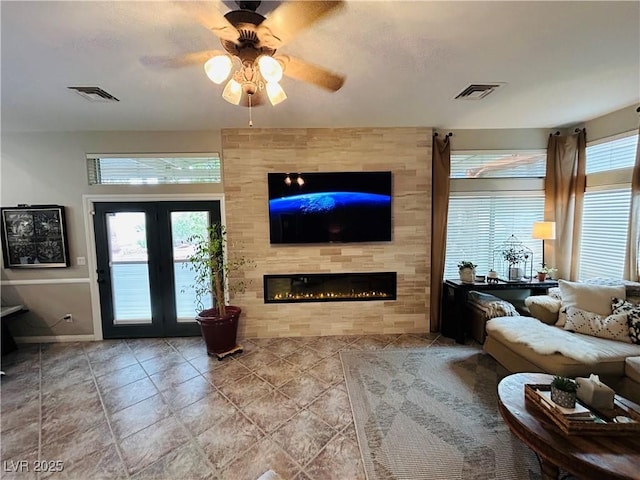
(544, 230)
(275, 93)
(218, 68)
(270, 68)
(232, 92)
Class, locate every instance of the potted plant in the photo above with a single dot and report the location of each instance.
(213, 268)
(514, 256)
(467, 271)
(545, 271)
(563, 391)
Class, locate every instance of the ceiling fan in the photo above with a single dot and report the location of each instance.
(250, 41)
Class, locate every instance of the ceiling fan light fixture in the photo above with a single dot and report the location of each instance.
(275, 93)
(270, 68)
(218, 68)
(249, 40)
(232, 92)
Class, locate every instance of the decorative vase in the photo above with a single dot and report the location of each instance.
(515, 274)
(467, 275)
(562, 398)
(542, 276)
(219, 332)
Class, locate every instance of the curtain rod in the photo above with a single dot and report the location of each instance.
(575, 131)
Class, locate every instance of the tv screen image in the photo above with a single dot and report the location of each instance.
(322, 207)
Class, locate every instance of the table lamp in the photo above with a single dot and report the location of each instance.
(544, 231)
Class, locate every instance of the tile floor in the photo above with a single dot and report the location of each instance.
(163, 409)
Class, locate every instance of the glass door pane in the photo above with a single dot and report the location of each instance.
(185, 224)
(129, 267)
(141, 250)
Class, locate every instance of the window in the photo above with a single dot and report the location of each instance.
(480, 223)
(153, 169)
(607, 199)
(493, 195)
(604, 233)
(613, 154)
(498, 165)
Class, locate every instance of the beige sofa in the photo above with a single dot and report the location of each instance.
(528, 344)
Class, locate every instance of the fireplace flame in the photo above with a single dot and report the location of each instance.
(328, 295)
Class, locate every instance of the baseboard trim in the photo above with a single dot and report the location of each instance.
(55, 339)
(44, 281)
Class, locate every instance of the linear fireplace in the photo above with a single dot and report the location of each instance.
(329, 287)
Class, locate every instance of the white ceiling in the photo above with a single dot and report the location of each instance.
(563, 62)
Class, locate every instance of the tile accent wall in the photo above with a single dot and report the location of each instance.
(249, 154)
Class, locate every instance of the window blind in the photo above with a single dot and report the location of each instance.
(605, 218)
(605, 223)
(612, 155)
(479, 223)
(141, 170)
(498, 164)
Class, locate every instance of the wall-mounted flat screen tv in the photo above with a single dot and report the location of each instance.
(323, 207)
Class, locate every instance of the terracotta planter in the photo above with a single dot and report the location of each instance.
(219, 333)
(542, 277)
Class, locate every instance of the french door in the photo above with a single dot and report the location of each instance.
(141, 251)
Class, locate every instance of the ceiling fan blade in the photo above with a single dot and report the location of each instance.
(290, 18)
(307, 72)
(210, 17)
(186, 60)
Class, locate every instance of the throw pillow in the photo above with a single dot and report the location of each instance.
(555, 293)
(544, 307)
(492, 305)
(592, 298)
(619, 305)
(614, 327)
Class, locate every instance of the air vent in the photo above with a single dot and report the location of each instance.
(477, 91)
(94, 94)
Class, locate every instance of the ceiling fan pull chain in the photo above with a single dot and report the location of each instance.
(250, 119)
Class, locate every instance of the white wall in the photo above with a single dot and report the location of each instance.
(498, 139)
(50, 168)
(620, 121)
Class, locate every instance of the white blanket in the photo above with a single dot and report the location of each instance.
(545, 339)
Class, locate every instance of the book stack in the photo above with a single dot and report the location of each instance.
(579, 412)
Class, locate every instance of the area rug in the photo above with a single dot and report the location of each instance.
(432, 413)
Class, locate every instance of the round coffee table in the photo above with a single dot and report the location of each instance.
(593, 457)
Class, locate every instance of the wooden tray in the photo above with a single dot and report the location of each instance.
(600, 422)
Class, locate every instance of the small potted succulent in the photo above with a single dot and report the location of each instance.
(563, 391)
(467, 271)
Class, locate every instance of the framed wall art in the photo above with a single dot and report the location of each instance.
(34, 237)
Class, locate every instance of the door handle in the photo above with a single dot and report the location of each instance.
(100, 272)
